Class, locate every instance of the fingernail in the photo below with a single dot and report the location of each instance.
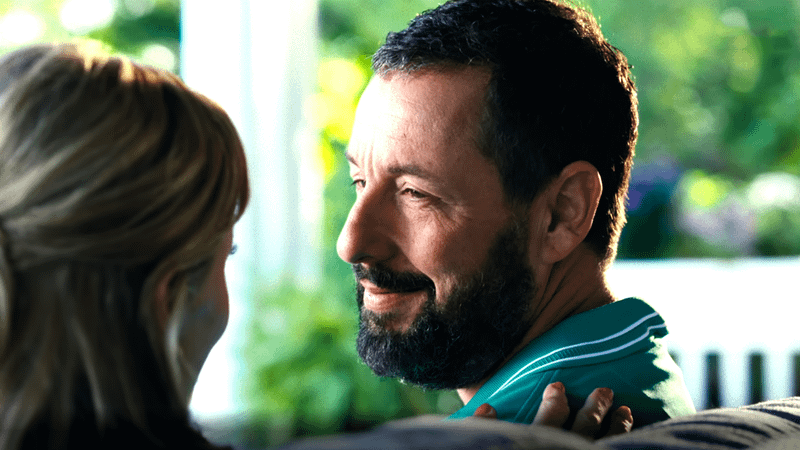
(554, 389)
(483, 410)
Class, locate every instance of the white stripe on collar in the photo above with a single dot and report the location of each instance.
(519, 373)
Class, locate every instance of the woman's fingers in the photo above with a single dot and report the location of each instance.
(589, 419)
(554, 410)
(621, 421)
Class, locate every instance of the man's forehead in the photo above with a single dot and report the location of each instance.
(437, 92)
(421, 110)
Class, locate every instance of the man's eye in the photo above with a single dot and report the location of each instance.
(413, 192)
(358, 183)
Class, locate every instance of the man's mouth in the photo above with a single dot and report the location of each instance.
(397, 297)
(372, 288)
(395, 290)
(386, 281)
(381, 300)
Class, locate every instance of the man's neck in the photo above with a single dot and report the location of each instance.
(573, 286)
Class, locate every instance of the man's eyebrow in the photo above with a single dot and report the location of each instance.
(406, 169)
(411, 169)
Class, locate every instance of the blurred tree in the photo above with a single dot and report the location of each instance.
(147, 30)
(718, 90)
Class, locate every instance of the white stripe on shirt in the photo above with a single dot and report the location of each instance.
(517, 375)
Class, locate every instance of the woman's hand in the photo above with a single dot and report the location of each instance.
(554, 412)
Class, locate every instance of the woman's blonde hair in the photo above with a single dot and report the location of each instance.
(113, 176)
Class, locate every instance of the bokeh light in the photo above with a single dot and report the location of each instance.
(139, 8)
(82, 16)
(159, 56)
(20, 27)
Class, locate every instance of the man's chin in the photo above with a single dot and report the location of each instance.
(389, 322)
(423, 363)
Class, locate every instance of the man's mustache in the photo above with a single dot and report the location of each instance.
(393, 281)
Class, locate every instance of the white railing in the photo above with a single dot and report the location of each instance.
(724, 310)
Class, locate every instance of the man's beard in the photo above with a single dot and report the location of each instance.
(460, 341)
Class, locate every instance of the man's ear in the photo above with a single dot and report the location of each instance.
(571, 201)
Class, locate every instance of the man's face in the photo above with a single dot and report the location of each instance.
(430, 232)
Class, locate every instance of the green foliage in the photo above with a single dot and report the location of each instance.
(132, 34)
(718, 92)
(356, 28)
(147, 30)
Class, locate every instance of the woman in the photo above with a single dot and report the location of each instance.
(119, 188)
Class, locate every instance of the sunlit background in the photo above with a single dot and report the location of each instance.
(148, 30)
(714, 209)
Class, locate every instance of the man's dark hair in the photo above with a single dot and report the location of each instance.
(558, 93)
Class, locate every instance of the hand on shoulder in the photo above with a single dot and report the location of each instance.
(593, 421)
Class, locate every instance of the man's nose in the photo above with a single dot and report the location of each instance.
(366, 235)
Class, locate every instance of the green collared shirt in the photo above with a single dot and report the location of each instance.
(616, 346)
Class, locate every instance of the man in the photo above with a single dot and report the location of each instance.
(491, 156)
